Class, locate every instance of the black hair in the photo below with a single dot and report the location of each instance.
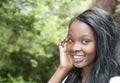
(107, 38)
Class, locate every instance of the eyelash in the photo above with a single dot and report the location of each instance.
(70, 40)
(85, 42)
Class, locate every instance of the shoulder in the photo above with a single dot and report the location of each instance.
(115, 79)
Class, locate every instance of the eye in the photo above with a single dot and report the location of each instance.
(85, 42)
(70, 40)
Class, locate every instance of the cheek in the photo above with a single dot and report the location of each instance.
(91, 54)
(68, 47)
(91, 49)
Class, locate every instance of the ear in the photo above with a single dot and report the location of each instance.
(115, 79)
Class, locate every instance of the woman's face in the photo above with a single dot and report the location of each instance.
(81, 44)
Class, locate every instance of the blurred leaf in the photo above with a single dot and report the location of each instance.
(29, 33)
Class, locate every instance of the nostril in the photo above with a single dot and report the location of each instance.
(77, 48)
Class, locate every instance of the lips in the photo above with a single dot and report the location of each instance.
(78, 58)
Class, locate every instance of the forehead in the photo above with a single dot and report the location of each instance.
(78, 28)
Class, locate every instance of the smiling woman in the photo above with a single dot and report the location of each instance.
(90, 51)
(81, 44)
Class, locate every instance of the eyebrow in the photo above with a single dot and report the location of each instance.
(86, 34)
(69, 34)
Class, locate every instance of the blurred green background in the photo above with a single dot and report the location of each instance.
(29, 33)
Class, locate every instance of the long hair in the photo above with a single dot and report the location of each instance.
(107, 38)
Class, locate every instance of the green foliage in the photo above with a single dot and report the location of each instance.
(29, 34)
(117, 11)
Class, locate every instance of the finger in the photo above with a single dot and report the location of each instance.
(65, 42)
(62, 42)
(66, 39)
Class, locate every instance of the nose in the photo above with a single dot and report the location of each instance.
(76, 47)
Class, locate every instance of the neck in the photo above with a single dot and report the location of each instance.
(85, 74)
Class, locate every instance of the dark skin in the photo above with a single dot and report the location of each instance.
(78, 49)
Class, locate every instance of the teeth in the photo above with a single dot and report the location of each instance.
(78, 56)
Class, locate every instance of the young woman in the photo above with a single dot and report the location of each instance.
(90, 52)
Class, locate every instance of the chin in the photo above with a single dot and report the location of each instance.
(78, 65)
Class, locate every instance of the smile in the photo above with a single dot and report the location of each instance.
(78, 58)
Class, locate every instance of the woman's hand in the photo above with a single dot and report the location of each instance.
(65, 64)
(65, 60)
